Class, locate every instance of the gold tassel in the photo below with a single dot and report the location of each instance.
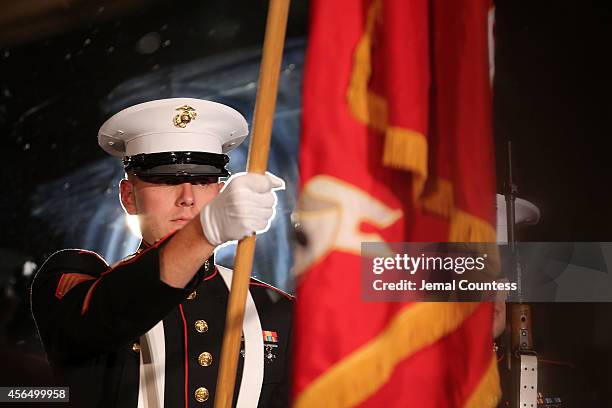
(406, 149)
(466, 227)
(438, 197)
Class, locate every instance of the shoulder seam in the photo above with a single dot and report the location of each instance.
(256, 282)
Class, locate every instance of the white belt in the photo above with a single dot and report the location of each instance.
(153, 359)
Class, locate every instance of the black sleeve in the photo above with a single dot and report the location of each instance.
(107, 308)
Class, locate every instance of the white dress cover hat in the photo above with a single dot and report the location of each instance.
(176, 136)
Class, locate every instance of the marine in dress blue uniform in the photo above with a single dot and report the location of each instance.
(120, 335)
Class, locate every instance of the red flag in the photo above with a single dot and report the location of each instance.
(396, 146)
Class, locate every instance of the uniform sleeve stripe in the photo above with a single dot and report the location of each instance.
(87, 300)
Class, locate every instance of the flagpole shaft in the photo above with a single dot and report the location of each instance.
(259, 148)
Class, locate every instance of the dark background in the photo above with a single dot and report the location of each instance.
(552, 98)
(60, 60)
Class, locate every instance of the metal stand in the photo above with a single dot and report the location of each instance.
(522, 359)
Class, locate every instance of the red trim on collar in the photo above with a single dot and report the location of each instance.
(87, 300)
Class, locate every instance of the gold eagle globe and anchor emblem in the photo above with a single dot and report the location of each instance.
(185, 116)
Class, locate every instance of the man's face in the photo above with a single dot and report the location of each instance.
(164, 208)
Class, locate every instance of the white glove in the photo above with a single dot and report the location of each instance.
(245, 205)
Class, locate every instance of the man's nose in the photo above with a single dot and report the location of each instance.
(185, 195)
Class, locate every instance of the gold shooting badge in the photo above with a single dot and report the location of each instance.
(185, 116)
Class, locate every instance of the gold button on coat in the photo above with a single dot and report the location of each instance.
(192, 295)
(136, 348)
(205, 359)
(201, 326)
(201, 394)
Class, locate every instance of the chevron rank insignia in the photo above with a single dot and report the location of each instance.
(69, 281)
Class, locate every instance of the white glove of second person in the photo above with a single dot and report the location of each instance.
(245, 205)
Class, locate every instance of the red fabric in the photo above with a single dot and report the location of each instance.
(429, 63)
(461, 104)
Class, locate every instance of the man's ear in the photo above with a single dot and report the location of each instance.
(126, 194)
(220, 185)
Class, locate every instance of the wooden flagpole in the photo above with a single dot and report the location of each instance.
(263, 118)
